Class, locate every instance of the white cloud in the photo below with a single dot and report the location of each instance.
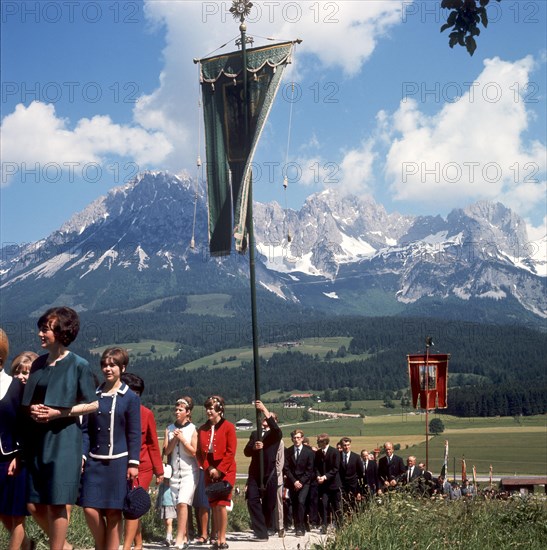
(356, 169)
(195, 29)
(474, 148)
(537, 232)
(35, 135)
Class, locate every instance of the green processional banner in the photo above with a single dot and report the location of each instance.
(229, 154)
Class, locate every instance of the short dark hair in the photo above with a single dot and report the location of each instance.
(118, 355)
(63, 321)
(135, 383)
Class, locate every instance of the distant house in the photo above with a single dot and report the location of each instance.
(302, 395)
(290, 403)
(524, 485)
(244, 424)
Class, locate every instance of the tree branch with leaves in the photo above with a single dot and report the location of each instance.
(464, 20)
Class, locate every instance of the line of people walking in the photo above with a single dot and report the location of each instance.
(305, 487)
(68, 439)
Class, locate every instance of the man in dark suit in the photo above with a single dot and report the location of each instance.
(390, 467)
(351, 474)
(298, 469)
(327, 468)
(261, 505)
(371, 483)
(413, 472)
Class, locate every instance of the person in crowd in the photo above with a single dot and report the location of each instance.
(112, 444)
(261, 503)
(150, 461)
(180, 447)
(59, 389)
(21, 365)
(351, 474)
(311, 517)
(298, 469)
(165, 505)
(390, 467)
(327, 471)
(217, 443)
(200, 504)
(279, 519)
(13, 508)
(413, 473)
(371, 483)
(428, 484)
(455, 491)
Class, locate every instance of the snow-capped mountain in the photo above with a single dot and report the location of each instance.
(345, 253)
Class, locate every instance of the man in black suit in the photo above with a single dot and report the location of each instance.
(261, 504)
(371, 483)
(351, 474)
(299, 470)
(413, 472)
(390, 467)
(327, 468)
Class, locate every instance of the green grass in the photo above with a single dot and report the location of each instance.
(208, 304)
(402, 522)
(233, 357)
(142, 348)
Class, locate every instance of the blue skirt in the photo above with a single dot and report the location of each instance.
(13, 492)
(104, 484)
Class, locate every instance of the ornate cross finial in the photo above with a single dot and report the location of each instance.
(240, 9)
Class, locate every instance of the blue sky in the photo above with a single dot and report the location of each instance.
(93, 92)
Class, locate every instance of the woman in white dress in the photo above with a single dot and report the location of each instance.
(180, 446)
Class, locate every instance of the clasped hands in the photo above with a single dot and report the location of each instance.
(43, 413)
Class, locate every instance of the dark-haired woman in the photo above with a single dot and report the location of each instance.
(217, 443)
(60, 388)
(112, 444)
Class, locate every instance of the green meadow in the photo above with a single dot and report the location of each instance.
(144, 348)
(233, 357)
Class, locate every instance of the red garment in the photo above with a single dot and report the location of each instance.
(223, 455)
(150, 457)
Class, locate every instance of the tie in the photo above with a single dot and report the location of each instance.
(297, 453)
(345, 459)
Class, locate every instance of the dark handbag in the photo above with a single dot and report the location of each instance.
(137, 501)
(219, 490)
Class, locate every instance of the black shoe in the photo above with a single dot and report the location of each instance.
(281, 533)
(300, 533)
(323, 530)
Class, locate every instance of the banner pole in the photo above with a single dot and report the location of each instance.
(428, 342)
(252, 261)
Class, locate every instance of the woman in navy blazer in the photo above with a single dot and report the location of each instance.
(112, 444)
(13, 506)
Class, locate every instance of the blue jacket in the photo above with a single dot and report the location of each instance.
(10, 417)
(114, 430)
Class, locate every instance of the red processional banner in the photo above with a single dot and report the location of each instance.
(428, 384)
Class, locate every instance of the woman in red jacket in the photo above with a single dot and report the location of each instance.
(150, 460)
(217, 444)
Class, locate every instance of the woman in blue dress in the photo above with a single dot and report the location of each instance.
(112, 445)
(13, 507)
(60, 388)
